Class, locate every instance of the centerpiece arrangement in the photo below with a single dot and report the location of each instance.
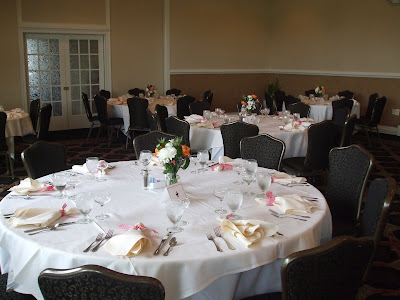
(319, 91)
(151, 90)
(249, 103)
(173, 156)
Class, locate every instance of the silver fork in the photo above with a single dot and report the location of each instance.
(210, 237)
(108, 236)
(217, 232)
(98, 238)
(276, 213)
(283, 217)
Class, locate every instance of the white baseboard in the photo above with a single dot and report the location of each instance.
(389, 130)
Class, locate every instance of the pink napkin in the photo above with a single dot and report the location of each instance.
(221, 167)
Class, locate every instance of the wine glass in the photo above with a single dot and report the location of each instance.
(296, 116)
(238, 169)
(207, 115)
(73, 182)
(91, 164)
(248, 178)
(263, 181)
(250, 166)
(265, 111)
(220, 193)
(202, 157)
(145, 157)
(175, 209)
(193, 158)
(102, 199)
(84, 203)
(186, 201)
(234, 199)
(59, 183)
(102, 165)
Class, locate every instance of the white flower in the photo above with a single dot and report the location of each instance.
(317, 90)
(169, 144)
(249, 98)
(167, 154)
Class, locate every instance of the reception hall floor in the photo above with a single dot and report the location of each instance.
(384, 279)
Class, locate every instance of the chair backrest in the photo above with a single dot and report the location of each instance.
(309, 92)
(101, 107)
(180, 128)
(3, 120)
(34, 109)
(279, 98)
(105, 94)
(349, 168)
(208, 96)
(197, 107)
(86, 104)
(43, 158)
(151, 120)
(138, 113)
(161, 112)
(44, 122)
(182, 107)
(340, 116)
(342, 103)
(289, 99)
(322, 137)
(377, 111)
(270, 104)
(331, 271)
(301, 108)
(174, 91)
(233, 133)
(267, 150)
(135, 92)
(97, 282)
(347, 94)
(348, 130)
(149, 141)
(371, 105)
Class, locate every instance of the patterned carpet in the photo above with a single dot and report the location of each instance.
(384, 279)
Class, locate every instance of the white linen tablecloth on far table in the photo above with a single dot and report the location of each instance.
(193, 269)
(17, 124)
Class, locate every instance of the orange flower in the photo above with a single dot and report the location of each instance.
(244, 103)
(155, 152)
(254, 96)
(185, 150)
(323, 90)
(152, 88)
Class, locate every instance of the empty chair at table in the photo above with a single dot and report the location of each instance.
(161, 113)
(301, 108)
(97, 282)
(173, 91)
(348, 130)
(266, 149)
(349, 168)
(341, 115)
(3, 145)
(347, 94)
(106, 94)
(34, 109)
(197, 107)
(179, 128)
(94, 120)
(182, 106)
(149, 141)
(138, 119)
(309, 92)
(341, 103)
(233, 133)
(279, 98)
(136, 92)
(43, 158)
(42, 127)
(208, 96)
(289, 99)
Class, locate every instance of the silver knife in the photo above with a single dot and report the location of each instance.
(42, 228)
(164, 239)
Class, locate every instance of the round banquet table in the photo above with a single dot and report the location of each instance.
(17, 124)
(193, 269)
(211, 139)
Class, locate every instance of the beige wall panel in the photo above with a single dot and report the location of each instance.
(136, 44)
(65, 12)
(223, 34)
(340, 35)
(228, 88)
(10, 77)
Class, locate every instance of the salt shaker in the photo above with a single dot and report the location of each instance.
(145, 174)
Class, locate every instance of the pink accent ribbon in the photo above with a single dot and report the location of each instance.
(62, 211)
(224, 167)
(125, 227)
(271, 198)
(299, 121)
(229, 216)
(214, 124)
(49, 188)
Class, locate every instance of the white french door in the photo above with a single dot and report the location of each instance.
(60, 68)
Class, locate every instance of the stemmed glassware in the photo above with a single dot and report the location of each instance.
(234, 199)
(175, 209)
(265, 111)
(263, 181)
(186, 201)
(101, 166)
(145, 157)
(250, 166)
(207, 115)
(202, 157)
(60, 182)
(102, 199)
(84, 203)
(248, 178)
(73, 182)
(238, 169)
(296, 116)
(91, 165)
(220, 194)
(193, 158)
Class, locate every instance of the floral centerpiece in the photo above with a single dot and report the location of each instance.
(173, 156)
(319, 91)
(249, 103)
(151, 90)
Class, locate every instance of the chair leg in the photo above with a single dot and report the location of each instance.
(11, 162)
(90, 130)
(379, 136)
(109, 130)
(127, 138)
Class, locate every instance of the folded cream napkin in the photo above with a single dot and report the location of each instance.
(192, 119)
(205, 125)
(40, 217)
(292, 127)
(28, 186)
(80, 169)
(155, 162)
(129, 243)
(230, 161)
(14, 115)
(248, 231)
(307, 119)
(292, 204)
(280, 177)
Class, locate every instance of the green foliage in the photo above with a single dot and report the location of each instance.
(273, 87)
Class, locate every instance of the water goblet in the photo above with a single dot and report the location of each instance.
(84, 203)
(234, 199)
(263, 181)
(145, 157)
(175, 209)
(220, 194)
(91, 165)
(238, 169)
(202, 157)
(185, 201)
(102, 199)
(207, 115)
(73, 182)
(248, 178)
(60, 182)
(102, 165)
(296, 116)
(250, 166)
(193, 158)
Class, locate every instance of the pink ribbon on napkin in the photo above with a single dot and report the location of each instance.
(214, 124)
(49, 188)
(63, 213)
(224, 167)
(229, 216)
(270, 197)
(125, 227)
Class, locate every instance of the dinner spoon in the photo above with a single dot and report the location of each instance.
(172, 243)
(47, 228)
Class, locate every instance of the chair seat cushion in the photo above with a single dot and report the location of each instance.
(94, 119)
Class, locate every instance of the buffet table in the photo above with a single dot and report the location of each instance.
(194, 269)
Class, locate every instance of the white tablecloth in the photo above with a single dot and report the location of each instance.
(194, 268)
(211, 139)
(17, 124)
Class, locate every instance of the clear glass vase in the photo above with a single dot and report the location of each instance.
(171, 178)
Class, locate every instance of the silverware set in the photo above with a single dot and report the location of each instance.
(217, 232)
(99, 240)
(211, 238)
(284, 216)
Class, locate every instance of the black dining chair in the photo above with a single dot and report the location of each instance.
(279, 98)
(309, 92)
(161, 113)
(138, 118)
(94, 120)
(341, 103)
(106, 94)
(149, 141)
(179, 128)
(266, 149)
(347, 94)
(270, 103)
(301, 108)
(136, 92)
(34, 109)
(349, 168)
(43, 158)
(182, 106)
(173, 91)
(370, 125)
(340, 116)
(42, 127)
(233, 133)
(289, 99)
(208, 96)
(3, 145)
(197, 107)
(347, 131)
(93, 282)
